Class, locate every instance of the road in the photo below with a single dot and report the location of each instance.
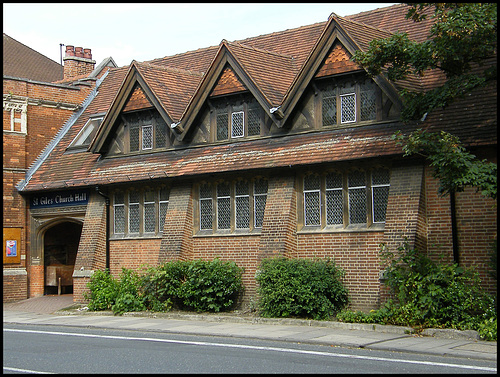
(58, 349)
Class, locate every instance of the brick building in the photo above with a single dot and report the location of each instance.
(272, 145)
(39, 96)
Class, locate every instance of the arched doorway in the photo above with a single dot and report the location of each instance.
(60, 247)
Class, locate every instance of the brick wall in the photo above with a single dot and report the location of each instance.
(15, 284)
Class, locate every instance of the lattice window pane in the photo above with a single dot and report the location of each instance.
(380, 197)
(334, 199)
(222, 126)
(134, 139)
(312, 208)
(133, 213)
(161, 134)
(260, 197)
(206, 207)
(206, 214)
(329, 108)
(348, 108)
(238, 124)
(253, 122)
(368, 105)
(242, 212)
(119, 219)
(164, 198)
(147, 137)
(357, 197)
(223, 206)
(312, 182)
(380, 194)
(149, 211)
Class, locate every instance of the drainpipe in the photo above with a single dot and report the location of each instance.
(107, 224)
(454, 232)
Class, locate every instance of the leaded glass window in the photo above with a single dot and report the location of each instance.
(357, 197)
(164, 198)
(147, 137)
(242, 202)
(206, 205)
(134, 139)
(223, 206)
(312, 198)
(133, 212)
(119, 213)
(149, 211)
(260, 197)
(334, 199)
(237, 124)
(368, 105)
(348, 108)
(380, 194)
(329, 107)
(240, 205)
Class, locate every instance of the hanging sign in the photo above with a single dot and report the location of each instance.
(59, 199)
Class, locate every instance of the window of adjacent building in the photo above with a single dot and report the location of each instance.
(342, 199)
(139, 212)
(345, 102)
(237, 118)
(232, 206)
(86, 134)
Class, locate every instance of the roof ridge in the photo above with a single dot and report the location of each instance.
(169, 69)
(361, 23)
(237, 43)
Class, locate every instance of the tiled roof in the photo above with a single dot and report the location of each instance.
(271, 63)
(23, 62)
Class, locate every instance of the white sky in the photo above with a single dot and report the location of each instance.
(131, 31)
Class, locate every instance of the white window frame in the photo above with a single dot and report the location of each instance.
(143, 130)
(342, 97)
(242, 114)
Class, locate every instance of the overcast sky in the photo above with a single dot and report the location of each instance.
(142, 32)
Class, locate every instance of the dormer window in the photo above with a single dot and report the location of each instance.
(237, 118)
(348, 101)
(86, 134)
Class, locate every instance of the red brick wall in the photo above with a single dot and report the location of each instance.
(15, 285)
(133, 254)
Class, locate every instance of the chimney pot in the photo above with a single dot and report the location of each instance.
(87, 53)
(79, 52)
(70, 50)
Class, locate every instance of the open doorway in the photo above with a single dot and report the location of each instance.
(60, 247)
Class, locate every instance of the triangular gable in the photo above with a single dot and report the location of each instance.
(132, 92)
(228, 82)
(137, 100)
(338, 61)
(339, 40)
(224, 59)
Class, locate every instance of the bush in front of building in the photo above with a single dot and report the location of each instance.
(430, 294)
(202, 286)
(304, 288)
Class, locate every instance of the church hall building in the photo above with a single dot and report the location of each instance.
(275, 145)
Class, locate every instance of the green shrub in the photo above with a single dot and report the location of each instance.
(300, 288)
(211, 286)
(128, 298)
(103, 290)
(431, 295)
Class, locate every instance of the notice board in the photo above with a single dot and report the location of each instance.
(11, 245)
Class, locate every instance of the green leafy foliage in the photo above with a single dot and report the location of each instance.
(103, 290)
(429, 294)
(463, 34)
(300, 288)
(199, 285)
(452, 164)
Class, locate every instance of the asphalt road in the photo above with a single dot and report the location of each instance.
(54, 349)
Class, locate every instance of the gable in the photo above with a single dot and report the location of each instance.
(137, 100)
(337, 61)
(228, 82)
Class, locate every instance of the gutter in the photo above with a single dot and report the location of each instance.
(62, 132)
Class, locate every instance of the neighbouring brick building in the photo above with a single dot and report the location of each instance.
(273, 145)
(39, 96)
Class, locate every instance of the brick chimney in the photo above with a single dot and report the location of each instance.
(77, 62)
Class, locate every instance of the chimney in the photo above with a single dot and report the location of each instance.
(77, 62)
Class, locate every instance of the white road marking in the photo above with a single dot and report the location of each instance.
(260, 348)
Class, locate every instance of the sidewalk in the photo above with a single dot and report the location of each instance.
(377, 337)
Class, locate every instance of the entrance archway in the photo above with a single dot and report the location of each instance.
(60, 245)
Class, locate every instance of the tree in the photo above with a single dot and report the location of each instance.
(464, 35)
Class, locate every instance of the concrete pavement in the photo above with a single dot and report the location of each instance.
(47, 310)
